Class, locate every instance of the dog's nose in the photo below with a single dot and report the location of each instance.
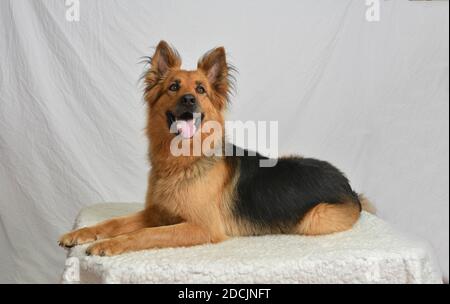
(188, 100)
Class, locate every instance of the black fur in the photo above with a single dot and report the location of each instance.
(278, 197)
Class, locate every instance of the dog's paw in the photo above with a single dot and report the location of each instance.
(77, 237)
(108, 247)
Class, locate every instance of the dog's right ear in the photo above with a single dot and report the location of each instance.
(164, 59)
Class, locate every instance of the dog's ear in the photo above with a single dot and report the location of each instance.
(164, 59)
(214, 65)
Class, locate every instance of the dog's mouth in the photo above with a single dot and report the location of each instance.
(186, 124)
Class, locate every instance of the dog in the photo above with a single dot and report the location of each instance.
(198, 199)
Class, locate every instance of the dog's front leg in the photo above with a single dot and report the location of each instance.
(178, 235)
(107, 229)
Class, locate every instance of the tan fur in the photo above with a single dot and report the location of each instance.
(183, 234)
(177, 183)
(195, 212)
(150, 217)
(109, 228)
(328, 218)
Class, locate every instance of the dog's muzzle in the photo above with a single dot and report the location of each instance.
(186, 118)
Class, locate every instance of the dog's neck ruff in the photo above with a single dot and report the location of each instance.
(184, 167)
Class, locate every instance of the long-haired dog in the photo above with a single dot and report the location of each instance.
(193, 200)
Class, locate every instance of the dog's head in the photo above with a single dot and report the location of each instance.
(181, 101)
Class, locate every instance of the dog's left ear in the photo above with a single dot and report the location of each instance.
(216, 69)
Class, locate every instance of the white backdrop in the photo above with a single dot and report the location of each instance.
(371, 97)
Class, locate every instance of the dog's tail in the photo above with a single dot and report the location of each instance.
(366, 205)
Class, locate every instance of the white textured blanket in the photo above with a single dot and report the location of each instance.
(372, 252)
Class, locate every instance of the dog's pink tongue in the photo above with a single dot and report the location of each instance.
(186, 128)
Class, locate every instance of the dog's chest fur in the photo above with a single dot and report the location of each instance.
(199, 193)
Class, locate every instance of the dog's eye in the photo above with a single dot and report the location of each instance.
(200, 90)
(174, 87)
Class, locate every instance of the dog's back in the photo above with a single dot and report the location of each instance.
(296, 191)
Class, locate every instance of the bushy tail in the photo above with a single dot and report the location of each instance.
(366, 205)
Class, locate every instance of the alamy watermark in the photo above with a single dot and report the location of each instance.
(373, 10)
(72, 10)
(261, 134)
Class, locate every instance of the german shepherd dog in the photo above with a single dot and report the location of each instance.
(193, 200)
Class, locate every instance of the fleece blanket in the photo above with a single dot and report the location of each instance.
(371, 252)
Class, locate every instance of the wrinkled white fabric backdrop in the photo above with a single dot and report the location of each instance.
(370, 97)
